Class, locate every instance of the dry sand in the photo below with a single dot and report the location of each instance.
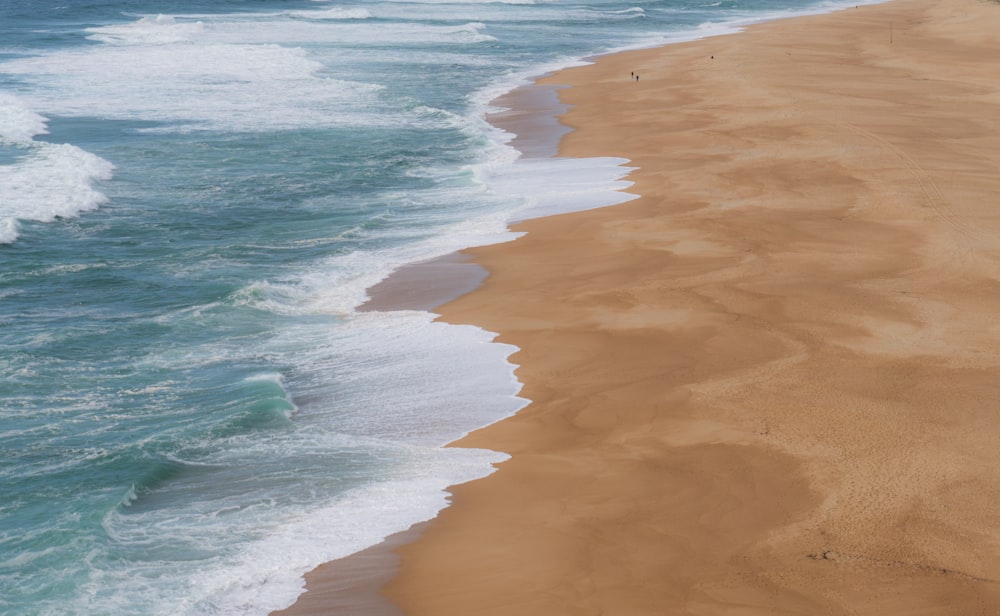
(771, 385)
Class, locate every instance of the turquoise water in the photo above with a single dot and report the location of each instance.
(194, 198)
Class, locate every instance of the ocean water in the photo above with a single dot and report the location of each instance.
(194, 197)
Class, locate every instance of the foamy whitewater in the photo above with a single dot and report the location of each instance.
(194, 198)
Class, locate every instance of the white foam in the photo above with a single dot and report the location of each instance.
(46, 180)
(469, 33)
(230, 72)
(158, 30)
(18, 124)
(333, 13)
(551, 186)
(447, 380)
(50, 181)
(9, 230)
(356, 32)
(267, 575)
(498, 13)
(208, 86)
(455, 380)
(234, 72)
(332, 26)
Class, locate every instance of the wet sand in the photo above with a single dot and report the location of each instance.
(770, 385)
(426, 285)
(352, 585)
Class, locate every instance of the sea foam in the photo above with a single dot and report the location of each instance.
(52, 181)
(158, 30)
(334, 13)
(45, 181)
(18, 124)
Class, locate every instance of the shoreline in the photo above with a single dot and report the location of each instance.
(353, 584)
(530, 113)
(689, 450)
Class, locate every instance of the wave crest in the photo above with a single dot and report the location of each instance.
(51, 181)
(18, 124)
(159, 30)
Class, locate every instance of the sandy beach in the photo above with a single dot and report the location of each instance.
(771, 384)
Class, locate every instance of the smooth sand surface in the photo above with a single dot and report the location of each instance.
(426, 285)
(772, 384)
(351, 586)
